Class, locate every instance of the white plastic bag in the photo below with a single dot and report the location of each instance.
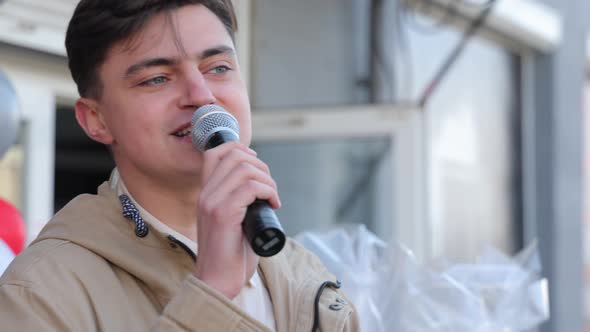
(393, 292)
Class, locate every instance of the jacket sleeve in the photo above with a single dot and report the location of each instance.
(22, 308)
(353, 323)
(337, 314)
(197, 307)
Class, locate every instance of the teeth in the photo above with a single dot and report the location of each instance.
(183, 133)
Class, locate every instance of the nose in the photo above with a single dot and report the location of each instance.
(196, 91)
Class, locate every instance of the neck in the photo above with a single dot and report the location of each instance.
(171, 204)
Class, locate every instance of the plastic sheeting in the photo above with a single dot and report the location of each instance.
(392, 291)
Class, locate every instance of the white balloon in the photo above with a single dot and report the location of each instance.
(9, 114)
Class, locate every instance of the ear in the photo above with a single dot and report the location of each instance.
(92, 121)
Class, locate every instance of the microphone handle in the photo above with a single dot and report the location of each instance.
(263, 230)
(261, 225)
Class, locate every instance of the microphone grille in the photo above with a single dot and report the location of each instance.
(209, 119)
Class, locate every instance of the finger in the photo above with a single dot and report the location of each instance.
(225, 211)
(232, 162)
(247, 193)
(239, 176)
(213, 156)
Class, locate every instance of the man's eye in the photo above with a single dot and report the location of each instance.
(220, 69)
(155, 81)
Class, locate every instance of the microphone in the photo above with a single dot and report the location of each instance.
(212, 126)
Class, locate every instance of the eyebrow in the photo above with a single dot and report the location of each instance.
(159, 62)
(156, 62)
(215, 51)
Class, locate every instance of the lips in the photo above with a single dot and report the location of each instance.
(183, 131)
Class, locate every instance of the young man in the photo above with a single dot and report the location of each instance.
(126, 259)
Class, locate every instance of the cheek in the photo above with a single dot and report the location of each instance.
(129, 123)
(241, 111)
(235, 100)
(245, 128)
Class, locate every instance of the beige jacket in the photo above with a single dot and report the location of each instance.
(88, 271)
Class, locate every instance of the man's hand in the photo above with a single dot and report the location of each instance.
(233, 178)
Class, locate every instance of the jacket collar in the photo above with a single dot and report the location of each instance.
(96, 222)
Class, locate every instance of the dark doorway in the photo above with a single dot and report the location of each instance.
(81, 164)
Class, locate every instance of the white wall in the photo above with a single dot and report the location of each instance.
(41, 82)
(472, 149)
(586, 169)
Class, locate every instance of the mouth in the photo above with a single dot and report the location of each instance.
(183, 131)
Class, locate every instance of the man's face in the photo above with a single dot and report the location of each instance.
(152, 88)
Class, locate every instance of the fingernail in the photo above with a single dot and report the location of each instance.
(253, 152)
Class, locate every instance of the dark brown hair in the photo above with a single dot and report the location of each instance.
(97, 25)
